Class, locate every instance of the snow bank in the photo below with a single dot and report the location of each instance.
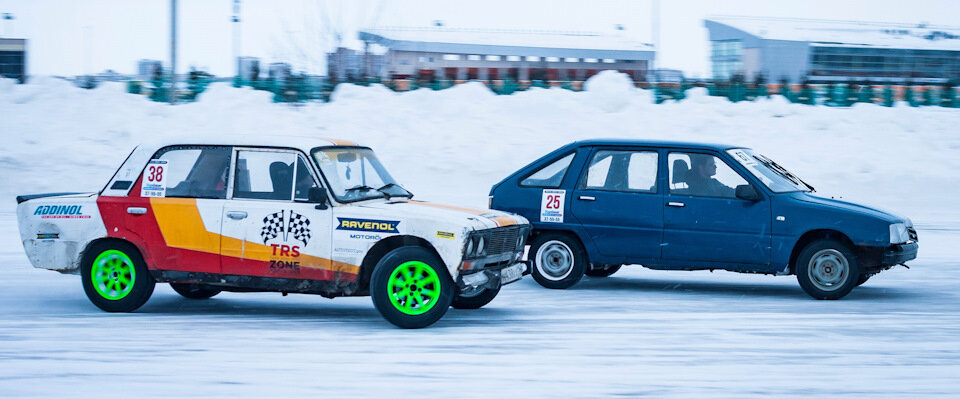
(452, 145)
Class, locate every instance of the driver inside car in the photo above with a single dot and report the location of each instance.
(700, 180)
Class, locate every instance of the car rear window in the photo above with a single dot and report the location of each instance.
(549, 176)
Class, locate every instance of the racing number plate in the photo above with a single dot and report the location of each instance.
(511, 274)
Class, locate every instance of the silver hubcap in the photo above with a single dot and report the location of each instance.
(828, 269)
(554, 260)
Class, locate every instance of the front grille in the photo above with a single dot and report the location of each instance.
(502, 240)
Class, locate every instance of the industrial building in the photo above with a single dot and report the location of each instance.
(518, 55)
(831, 51)
(13, 59)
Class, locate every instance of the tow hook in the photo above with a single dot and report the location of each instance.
(905, 265)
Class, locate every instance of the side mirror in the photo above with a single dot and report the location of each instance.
(748, 193)
(318, 195)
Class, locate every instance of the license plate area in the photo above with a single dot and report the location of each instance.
(511, 273)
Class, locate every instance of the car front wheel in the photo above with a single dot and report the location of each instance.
(115, 277)
(559, 261)
(827, 269)
(475, 299)
(411, 287)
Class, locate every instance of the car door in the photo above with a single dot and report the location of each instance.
(269, 227)
(703, 220)
(173, 210)
(618, 203)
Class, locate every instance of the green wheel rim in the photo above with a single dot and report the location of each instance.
(413, 287)
(113, 275)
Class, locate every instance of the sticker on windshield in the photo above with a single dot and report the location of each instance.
(744, 158)
(551, 206)
(154, 179)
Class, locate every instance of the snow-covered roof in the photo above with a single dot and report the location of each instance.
(509, 42)
(849, 33)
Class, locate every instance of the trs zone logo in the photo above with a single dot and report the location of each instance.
(60, 212)
(379, 226)
(287, 225)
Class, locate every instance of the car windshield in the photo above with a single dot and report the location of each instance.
(355, 174)
(774, 176)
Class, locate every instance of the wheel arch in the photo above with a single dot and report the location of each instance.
(103, 240)
(813, 236)
(384, 247)
(569, 233)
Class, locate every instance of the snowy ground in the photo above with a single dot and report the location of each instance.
(690, 334)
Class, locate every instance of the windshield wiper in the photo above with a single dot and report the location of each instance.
(359, 188)
(784, 172)
(388, 185)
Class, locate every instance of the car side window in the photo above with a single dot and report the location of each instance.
(629, 171)
(549, 176)
(305, 181)
(702, 175)
(264, 175)
(196, 171)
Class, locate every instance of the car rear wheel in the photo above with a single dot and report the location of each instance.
(475, 299)
(827, 269)
(602, 270)
(559, 261)
(194, 291)
(115, 277)
(411, 288)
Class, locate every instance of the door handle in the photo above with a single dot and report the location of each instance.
(587, 198)
(236, 215)
(137, 210)
(676, 204)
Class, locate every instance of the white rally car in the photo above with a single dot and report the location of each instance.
(272, 213)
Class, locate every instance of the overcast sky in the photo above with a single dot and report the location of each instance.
(116, 33)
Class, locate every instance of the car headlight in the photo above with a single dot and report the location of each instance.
(469, 250)
(480, 246)
(899, 233)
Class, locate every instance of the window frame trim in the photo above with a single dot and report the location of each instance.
(549, 162)
(582, 181)
(165, 149)
(293, 186)
(736, 167)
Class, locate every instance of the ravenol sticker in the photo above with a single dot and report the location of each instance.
(444, 234)
(60, 212)
(379, 226)
(154, 179)
(551, 206)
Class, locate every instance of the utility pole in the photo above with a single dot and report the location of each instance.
(236, 35)
(172, 95)
(655, 26)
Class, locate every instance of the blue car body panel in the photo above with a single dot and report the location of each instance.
(650, 228)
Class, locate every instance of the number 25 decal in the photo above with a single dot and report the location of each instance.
(553, 201)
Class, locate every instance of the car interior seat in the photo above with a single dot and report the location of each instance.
(281, 175)
(678, 182)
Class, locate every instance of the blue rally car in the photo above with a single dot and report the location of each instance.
(599, 204)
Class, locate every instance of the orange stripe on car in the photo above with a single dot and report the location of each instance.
(182, 227)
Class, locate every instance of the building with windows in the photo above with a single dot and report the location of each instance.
(13, 59)
(830, 51)
(518, 55)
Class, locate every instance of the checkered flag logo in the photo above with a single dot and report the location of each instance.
(299, 227)
(272, 227)
(279, 223)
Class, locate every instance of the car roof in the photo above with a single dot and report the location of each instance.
(305, 143)
(652, 143)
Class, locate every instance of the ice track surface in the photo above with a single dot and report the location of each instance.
(639, 332)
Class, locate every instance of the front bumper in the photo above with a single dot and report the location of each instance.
(493, 277)
(900, 253)
(876, 259)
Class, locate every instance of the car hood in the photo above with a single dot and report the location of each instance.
(478, 219)
(851, 207)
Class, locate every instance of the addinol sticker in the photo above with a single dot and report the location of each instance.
(551, 206)
(60, 212)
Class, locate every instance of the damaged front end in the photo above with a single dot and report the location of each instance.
(493, 258)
